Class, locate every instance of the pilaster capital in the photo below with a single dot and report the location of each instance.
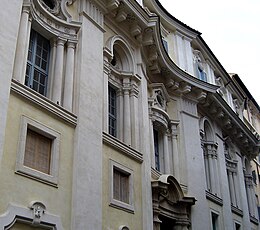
(71, 44)
(61, 41)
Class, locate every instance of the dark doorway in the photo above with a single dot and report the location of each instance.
(167, 223)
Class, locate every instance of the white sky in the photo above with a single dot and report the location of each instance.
(231, 28)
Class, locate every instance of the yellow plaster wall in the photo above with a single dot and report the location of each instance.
(21, 190)
(113, 217)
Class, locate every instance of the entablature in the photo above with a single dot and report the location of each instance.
(232, 126)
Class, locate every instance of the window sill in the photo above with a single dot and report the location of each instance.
(43, 102)
(38, 176)
(237, 210)
(217, 200)
(122, 147)
(122, 206)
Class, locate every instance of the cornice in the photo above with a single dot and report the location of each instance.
(217, 108)
(43, 102)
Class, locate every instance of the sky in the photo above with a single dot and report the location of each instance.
(231, 28)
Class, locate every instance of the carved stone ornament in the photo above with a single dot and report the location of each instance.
(38, 209)
(53, 6)
(160, 98)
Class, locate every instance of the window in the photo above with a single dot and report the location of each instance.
(202, 74)
(36, 76)
(121, 189)
(237, 226)
(120, 185)
(156, 149)
(38, 151)
(165, 44)
(214, 221)
(112, 110)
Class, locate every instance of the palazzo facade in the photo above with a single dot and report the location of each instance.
(116, 115)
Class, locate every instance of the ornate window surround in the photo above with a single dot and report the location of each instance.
(35, 215)
(51, 178)
(62, 32)
(129, 207)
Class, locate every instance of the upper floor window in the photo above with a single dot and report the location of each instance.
(202, 74)
(37, 63)
(112, 110)
(199, 65)
(165, 44)
(156, 149)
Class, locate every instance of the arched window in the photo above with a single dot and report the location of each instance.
(122, 93)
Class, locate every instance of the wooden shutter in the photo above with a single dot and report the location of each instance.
(37, 151)
(120, 186)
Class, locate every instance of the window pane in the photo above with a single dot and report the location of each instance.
(38, 58)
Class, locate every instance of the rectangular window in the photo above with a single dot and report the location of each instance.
(112, 111)
(36, 76)
(237, 226)
(214, 221)
(37, 152)
(156, 149)
(202, 75)
(165, 44)
(120, 185)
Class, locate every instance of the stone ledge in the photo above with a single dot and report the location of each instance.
(214, 198)
(43, 102)
(122, 147)
(237, 210)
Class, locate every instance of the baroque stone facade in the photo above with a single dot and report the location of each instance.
(116, 115)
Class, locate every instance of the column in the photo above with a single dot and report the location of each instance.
(152, 143)
(106, 72)
(175, 153)
(188, 56)
(235, 178)
(231, 188)
(22, 40)
(206, 162)
(180, 50)
(215, 168)
(166, 153)
(69, 73)
(211, 170)
(120, 114)
(57, 83)
(127, 118)
(53, 44)
(134, 116)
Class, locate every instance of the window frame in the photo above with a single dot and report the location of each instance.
(52, 177)
(129, 207)
(112, 130)
(31, 63)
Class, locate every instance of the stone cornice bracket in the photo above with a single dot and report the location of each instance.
(201, 95)
(185, 88)
(38, 209)
(148, 37)
(172, 85)
(112, 5)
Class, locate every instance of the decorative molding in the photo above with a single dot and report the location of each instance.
(237, 210)
(53, 24)
(122, 147)
(190, 107)
(254, 220)
(93, 12)
(43, 102)
(217, 200)
(38, 211)
(28, 215)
